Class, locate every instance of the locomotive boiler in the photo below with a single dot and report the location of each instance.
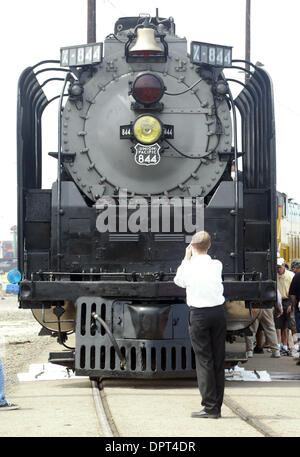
(148, 133)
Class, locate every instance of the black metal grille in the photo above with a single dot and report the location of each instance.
(139, 359)
(96, 356)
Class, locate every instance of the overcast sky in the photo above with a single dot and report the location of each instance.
(34, 30)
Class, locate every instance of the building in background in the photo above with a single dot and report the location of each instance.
(8, 252)
(13, 231)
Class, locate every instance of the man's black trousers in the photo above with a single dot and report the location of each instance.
(208, 333)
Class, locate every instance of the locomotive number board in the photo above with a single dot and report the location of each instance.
(78, 56)
(211, 54)
(127, 134)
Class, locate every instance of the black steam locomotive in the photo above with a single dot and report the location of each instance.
(148, 134)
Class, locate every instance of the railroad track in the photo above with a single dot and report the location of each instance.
(110, 430)
(109, 426)
(249, 418)
(103, 413)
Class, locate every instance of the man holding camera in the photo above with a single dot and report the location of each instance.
(202, 278)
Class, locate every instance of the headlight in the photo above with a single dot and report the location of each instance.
(147, 129)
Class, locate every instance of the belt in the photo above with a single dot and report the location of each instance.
(192, 308)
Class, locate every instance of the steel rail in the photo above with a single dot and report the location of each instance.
(110, 427)
(103, 414)
(248, 417)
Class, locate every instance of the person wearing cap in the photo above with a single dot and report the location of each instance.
(295, 266)
(283, 322)
(202, 277)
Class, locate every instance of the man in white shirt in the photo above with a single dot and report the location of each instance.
(202, 278)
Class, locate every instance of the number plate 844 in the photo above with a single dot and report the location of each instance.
(147, 155)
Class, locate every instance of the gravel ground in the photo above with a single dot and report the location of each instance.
(19, 340)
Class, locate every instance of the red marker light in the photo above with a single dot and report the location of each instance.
(148, 88)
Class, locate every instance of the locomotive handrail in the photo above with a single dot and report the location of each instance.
(43, 62)
(257, 67)
(51, 79)
(51, 69)
(58, 253)
(252, 108)
(236, 191)
(259, 140)
(253, 117)
(127, 273)
(148, 277)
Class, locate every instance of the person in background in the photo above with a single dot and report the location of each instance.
(202, 278)
(266, 320)
(258, 349)
(294, 294)
(233, 170)
(292, 336)
(283, 322)
(278, 310)
(4, 404)
(295, 266)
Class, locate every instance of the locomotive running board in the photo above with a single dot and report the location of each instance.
(67, 359)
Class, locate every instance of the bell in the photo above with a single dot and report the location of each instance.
(145, 42)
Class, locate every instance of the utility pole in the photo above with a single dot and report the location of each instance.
(91, 21)
(248, 38)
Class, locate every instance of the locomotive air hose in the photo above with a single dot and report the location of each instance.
(112, 338)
